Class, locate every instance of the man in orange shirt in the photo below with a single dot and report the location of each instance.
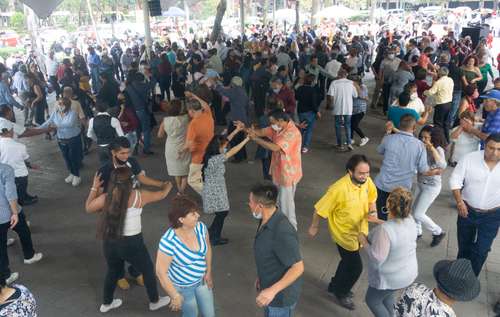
(199, 133)
(286, 164)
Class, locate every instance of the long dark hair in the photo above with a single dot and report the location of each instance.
(213, 148)
(115, 208)
(437, 135)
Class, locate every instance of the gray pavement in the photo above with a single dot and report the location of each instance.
(69, 280)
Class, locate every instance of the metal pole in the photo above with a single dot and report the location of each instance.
(147, 27)
(242, 18)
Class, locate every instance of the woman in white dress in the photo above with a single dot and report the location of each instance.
(174, 127)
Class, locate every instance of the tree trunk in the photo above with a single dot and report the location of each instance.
(481, 4)
(387, 4)
(373, 6)
(495, 5)
(80, 12)
(314, 11)
(297, 20)
(221, 9)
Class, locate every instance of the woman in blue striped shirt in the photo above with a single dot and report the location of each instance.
(184, 261)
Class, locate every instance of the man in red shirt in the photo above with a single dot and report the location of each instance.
(425, 62)
(285, 94)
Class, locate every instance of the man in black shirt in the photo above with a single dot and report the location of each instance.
(277, 255)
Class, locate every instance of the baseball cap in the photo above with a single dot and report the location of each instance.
(492, 94)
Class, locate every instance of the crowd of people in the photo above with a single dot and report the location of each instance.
(209, 100)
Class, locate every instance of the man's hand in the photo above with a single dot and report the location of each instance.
(462, 209)
(239, 125)
(208, 280)
(14, 219)
(466, 125)
(313, 231)
(318, 115)
(265, 297)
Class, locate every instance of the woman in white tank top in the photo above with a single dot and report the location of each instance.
(120, 229)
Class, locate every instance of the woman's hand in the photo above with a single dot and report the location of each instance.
(98, 182)
(176, 302)
(208, 280)
(362, 239)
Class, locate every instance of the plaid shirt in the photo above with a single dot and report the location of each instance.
(492, 124)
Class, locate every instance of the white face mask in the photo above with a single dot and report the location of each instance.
(414, 96)
(256, 215)
(276, 90)
(276, 127)
(61, 108)
(391, 56)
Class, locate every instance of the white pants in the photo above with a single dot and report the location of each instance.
(424, 197)
(194, 178)
(286, 203)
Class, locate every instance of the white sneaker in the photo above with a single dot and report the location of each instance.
(162, 301)
(353, 142)
(10, 241)
(36, 257)
(76, 181)
(350, 147)
(114, 304)
(12, 278)
(364, 141)
(69, 179)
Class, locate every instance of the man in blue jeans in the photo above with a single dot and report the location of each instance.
(277, 254)
(475, 183)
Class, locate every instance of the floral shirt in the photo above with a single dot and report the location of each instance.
(419, 300)
(21, 304)
(286, 165)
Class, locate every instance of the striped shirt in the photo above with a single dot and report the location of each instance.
(188, 267)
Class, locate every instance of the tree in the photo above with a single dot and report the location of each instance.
(314, 11)
(221, 9)
(17, 22)
(297, 20)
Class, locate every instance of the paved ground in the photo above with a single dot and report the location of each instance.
(69, 280)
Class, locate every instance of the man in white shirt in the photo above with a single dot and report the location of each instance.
(15, 154)
(341, 94)
(103, 129)
(333, 66)
(52, 66)
(475, 183)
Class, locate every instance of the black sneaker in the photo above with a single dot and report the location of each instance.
(346, 302)
(419, 237)
(220, 241)
(436, 239)
(30, 201)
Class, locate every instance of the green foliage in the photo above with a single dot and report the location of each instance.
(8, 51)
(17, 22)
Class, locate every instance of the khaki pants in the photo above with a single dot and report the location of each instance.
(286, 203)
(194, 177)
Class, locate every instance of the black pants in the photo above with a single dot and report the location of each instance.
(381, 202)
(104, 154)
(355, 121)
(165, 81)
(441, 113)
(132, 250)
(259, 100)
(55, 85)
(347, 274)
(23, 231)
(386, 90)
(216, 227)
(238, 138)
(22, 189)
(266, 166)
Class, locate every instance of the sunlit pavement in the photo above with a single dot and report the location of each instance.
(69, 280)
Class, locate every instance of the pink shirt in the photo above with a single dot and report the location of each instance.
(286, 165)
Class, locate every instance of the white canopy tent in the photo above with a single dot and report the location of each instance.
(336, 12)
(42, 8)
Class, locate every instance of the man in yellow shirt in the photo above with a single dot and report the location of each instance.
(348, 205)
